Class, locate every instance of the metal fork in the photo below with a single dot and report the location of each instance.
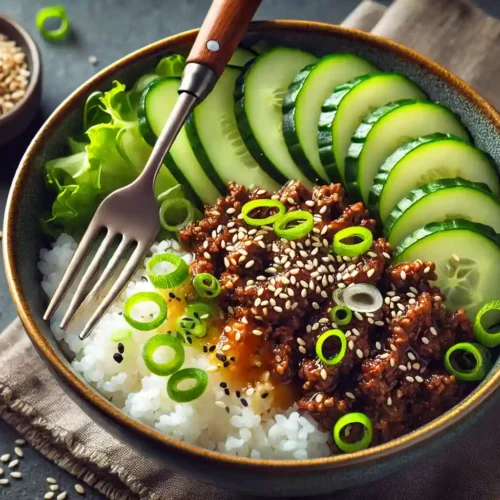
(131, 213)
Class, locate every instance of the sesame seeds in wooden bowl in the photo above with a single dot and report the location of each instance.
(20, 79)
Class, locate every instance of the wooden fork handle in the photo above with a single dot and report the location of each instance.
(223, 28)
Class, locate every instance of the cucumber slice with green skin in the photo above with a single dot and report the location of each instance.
(241, 56)
(132, 146)
(344, 110)
(214, 136)
(303, 101)
(155, 107)
(258, 96)
(387, 128)
(472, 280)
(442, 200)
(428, 159)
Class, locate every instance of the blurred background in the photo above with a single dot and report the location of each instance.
(102, 32)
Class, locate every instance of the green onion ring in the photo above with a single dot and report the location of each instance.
(294, 232)
(341, 315)
(160, 340)
(482, 361)
(207, 286)
(487, 329)
(176, 206)
(173, 192)
(171, 279)
(54, 12)
(145, 326)
(362, 298)
(199, 310)
(343, 346)
(352, 249)
(349, 419)
(189, 326)
(121, 335)
(184, 396)
(255, 205)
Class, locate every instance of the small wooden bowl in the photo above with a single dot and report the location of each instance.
(21, 115)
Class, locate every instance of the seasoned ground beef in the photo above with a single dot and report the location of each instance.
(281, 291)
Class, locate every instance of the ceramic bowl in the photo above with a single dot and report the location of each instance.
(21, 115)
(23, 240)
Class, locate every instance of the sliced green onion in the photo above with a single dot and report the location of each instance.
(362, 298)
(295, 231)
(262, 204)
(207, 286)
(54, 12)
(337, 358)
(120, 335)
(189, 326)
(200, 378)
(341, 315)
(175, 277)
(145, 326)
(350, 419)
(487, 324)
(169, 367)
(176, 214)
(468, 361)
(352, 249)
(199, 310)
(173, 192)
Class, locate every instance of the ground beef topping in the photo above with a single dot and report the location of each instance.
(281, 292)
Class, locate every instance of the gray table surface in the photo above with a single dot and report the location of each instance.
(110, 29)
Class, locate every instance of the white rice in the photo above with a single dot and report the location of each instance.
(255, 431)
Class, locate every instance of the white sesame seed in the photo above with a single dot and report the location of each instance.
(315, 326)
(433, 330)
(206, 255)
(378, 345)
(212, 368)
(403, 368)
(350, 395)
(418, 378)
(385, 355)
(386, 255)
(323, 374)
(13, 464)
(278, 309)
(359, 353)
(302, 349)
(379, 323)
(370, 273)
(402, 275)
(401, 307)
(16, 475)
(411, 356)
(48, 495)
(427, 269)
(5, 458)
(4, 482)
(315, 305)
(410, 379)
(323, 321)
(62, 496)
(220, 404)
(310, 203)
(389, 401)
(20, 442)
(394, 348)
(370, 320)
(454, 256)
(351, 345)
(358, 315)
(371, 254)
(226, 347)
(51, 480)
(54, 487)
(425, 340)
(323, 209)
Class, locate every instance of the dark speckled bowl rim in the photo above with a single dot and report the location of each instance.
(418, 438)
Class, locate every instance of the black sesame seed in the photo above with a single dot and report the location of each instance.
(227, 409)
(223, 384)
(178, 299)
(227, 392)
(226, 364)
(221, 357)
(121, 347)
(212, 348)
(264, 395)
(238, 394)
(144, 278)
(171, 295)
(244, 402)
(232, 358)
(205, 348)
(196, 315)
(117, 357)
(190, 341)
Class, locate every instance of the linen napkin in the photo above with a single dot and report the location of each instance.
(462, 38)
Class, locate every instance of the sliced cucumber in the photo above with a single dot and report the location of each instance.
(259, 97)
(442, 200)
(344, 110)
(214, 135)
(387, 128)
(467, 258)
(303, 101)
(136, 151)
(156, 104)
(241, 56)
(427, 159)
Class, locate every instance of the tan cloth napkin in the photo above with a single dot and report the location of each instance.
(462, 38)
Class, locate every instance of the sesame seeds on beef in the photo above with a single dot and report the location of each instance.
(281, 291)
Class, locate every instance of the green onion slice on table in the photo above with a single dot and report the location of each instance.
(487, 324)
(188, 326)
(468, 361)
(167, 367)
(352, 249)
(57, 12)
(341, 315)
(200, 379)
(176, 214)
(351, 419)
(207, 286)
(138, 298)
(320, 347)
(294, 225)
(262, 205)
(178, 273)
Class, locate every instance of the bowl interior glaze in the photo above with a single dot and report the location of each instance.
(23, 240)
